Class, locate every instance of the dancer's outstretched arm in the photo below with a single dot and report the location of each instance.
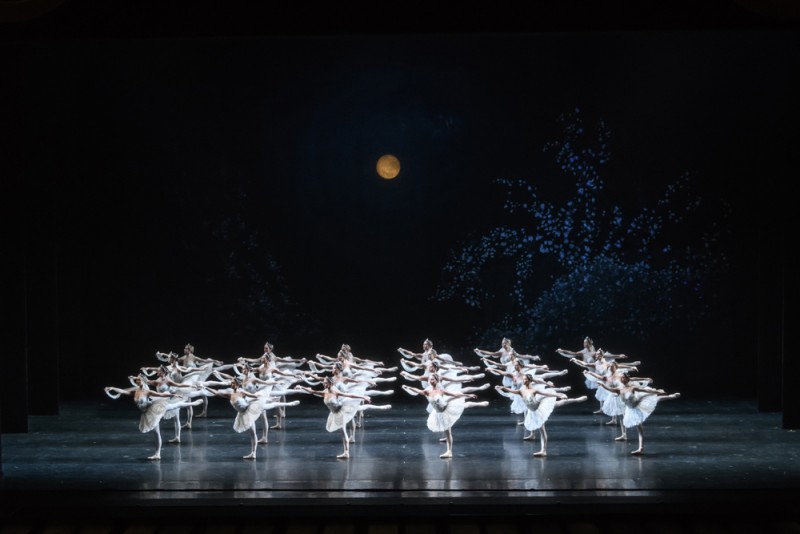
(408, 354)
(310, 391)
(413, 391)
(412, 377)
(594, 375)
(115, 392)
(582, 363)
(609, 388)
(531, 357)
(508, 390)
(567, 353)
(458, 393)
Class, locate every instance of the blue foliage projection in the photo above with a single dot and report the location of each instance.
(560, 271)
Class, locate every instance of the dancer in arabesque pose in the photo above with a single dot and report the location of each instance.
(640, 402)
(343, 408)
(152, 404)
(540, 401)
(448, 406)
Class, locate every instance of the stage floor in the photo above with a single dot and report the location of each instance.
(700, 456)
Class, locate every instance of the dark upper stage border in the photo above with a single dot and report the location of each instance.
(100, 19)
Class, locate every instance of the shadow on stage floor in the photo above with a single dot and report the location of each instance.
(705, 460)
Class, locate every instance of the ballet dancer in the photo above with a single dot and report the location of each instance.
(249, 407)
(601, 366)
(640, 403)
(540, 401)
(448, 406)
(152, 404)
(343, 408)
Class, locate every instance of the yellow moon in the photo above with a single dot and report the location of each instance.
(388, 166)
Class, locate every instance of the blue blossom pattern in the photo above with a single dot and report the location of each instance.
(595, 266)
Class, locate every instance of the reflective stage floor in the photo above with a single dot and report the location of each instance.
(704, 459)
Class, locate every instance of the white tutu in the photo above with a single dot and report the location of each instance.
(538, 411)
(443, 414)
(247, 417)
(152, 415)
(613, 405)
(342, 412)
(638, 408)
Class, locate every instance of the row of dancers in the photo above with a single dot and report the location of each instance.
(347, 385)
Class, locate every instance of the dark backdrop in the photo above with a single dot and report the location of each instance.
(178, 177)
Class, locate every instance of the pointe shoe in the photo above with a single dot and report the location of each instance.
(344, 456)
(638, 452)
(154, 457)
(621, 438)
(539, 454)
(448, 454)
(174, 440)
(263, 441)
(531, 437)
(251, 456)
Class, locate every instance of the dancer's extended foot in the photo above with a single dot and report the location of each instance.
(174, 440)
(448, 454)
(276, 426)
(598, 411)
(529, 437)
(187, 426)
(263, 440)
(612, 422)
(540, 454)
(442, 440)
(251, 456)
(638, 452)
(204, 414)
(344, 456)
(621, 438)
(154, 457)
